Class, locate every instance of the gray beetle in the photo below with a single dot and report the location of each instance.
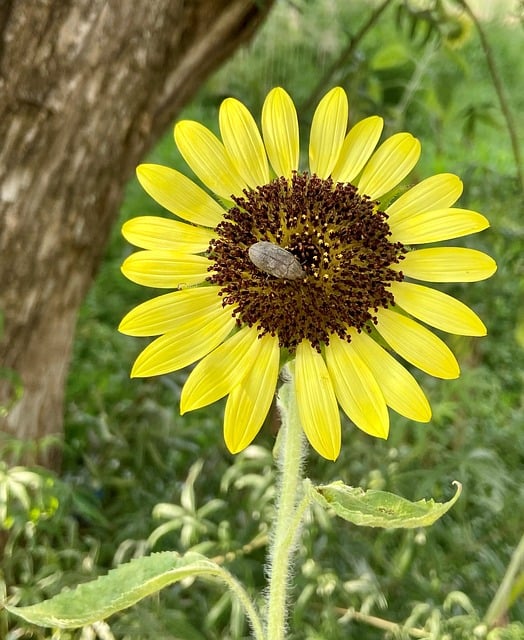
(275, 260)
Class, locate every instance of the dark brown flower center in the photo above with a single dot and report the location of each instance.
(338, 236)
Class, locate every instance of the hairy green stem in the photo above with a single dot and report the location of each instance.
(500, 91)
(245, 601)
(287, 524)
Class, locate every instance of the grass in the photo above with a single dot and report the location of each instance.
(130, 460)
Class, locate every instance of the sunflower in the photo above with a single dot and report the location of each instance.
(315, 268)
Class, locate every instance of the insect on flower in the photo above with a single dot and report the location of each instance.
(275, 260)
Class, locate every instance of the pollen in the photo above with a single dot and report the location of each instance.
(336, 236)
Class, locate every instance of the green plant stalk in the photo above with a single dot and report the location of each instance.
(502, 599)
(500, 91)
(344, 57)
(411, 88)
(384, 625)
(245, 602)
(286, 524)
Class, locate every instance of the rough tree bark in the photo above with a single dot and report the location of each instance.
(86, 87)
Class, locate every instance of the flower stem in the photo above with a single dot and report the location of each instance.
(286, 525)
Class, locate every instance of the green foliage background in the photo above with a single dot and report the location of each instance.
(137, 477)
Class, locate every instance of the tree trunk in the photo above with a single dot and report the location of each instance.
(86, 87)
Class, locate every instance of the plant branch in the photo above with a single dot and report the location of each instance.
(243, 598)
(502, 599)
(258, 541)
(385, 625)
(343, 58)
(413, 85)
(500, 91)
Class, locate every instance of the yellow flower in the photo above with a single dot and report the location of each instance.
(333, 273)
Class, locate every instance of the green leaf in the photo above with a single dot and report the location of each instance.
(380, 508)
(119, 589)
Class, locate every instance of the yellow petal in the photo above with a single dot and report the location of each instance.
(153, 232)
(434, 226)
(280, 131)
(356, 389)
(243, 142)
(208, 158)
(165, 269)
(317, 403)
(249, 402)
(177, 349)
(447, 264)
(437, 309)
(417, 345)
(179, 194)
(357, 148)
(436, 192)
(328, 129)
(221, 371)
(401, 391)
(166, 313)
(389, 165)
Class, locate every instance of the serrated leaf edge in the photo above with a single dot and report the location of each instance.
(441, 508)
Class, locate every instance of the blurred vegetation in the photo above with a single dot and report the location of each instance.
(139, 478)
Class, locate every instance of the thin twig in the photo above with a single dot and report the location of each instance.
(500, 91)
(380, 623)
(258, 541)
(413, 85)
(346, 54)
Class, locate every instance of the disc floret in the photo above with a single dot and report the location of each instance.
(339, 238)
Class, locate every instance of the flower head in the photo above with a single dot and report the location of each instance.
(316, 265)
